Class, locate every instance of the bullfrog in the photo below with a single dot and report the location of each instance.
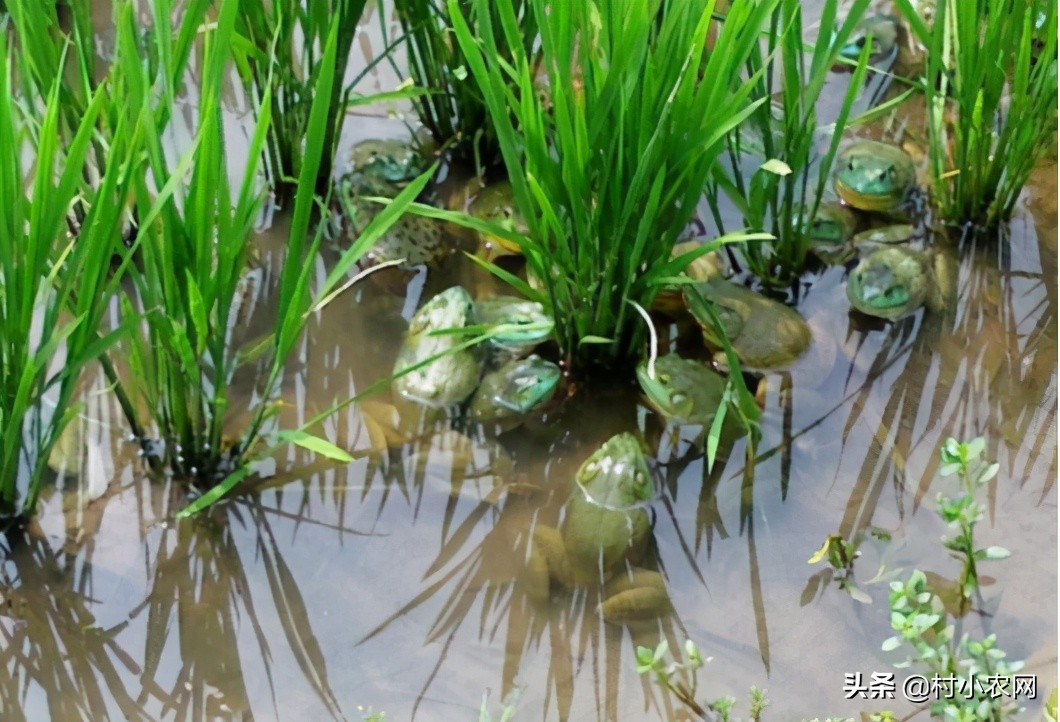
(453, 377)
(530, 323)
(830, 232)
(895, 281)
(514, 390)
(765, 334)
(496, 203)
(879, 29)
(669, 299)
(685, 390)
(874, 176)
(383, 168)
(605, 531)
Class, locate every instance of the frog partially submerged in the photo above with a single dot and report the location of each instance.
(452, 377)
(830, 232)
(496, 203)
(895, 281)
(765, 334)
(383, 168)
(874, 176)
(684, 390)
(881, 32)
(511, 392)
(529, 324)
(605, 532)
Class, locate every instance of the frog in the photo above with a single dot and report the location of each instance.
(669, 300)
(383, 168)
(874, 176)
(514, 390)
(682, 389)
(765, 334)
(605, 533)
(894, 281)
(453, 377)
(881, 31)
(529, 323)
(496, 203)
(831, 231)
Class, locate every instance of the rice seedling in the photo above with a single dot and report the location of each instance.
(453, 108)
(782, 195)
(194, 243)
(280, 51)
(55, 285)
(991, 94)
(608, 171)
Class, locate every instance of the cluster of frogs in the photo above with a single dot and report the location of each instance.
(892, 279)
(477, 354)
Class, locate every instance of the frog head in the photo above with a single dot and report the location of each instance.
(386, 161)
(880, 31)
(616, 475)
(889, 283)
(874, 176)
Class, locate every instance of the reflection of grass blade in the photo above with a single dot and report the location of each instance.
(294, 618)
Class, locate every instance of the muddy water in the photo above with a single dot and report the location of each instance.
(395, 583)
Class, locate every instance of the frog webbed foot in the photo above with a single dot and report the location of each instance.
(636, 595)
(546, 562)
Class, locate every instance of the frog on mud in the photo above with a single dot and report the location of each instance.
(383, 168)
(453, 376)
(894, 282)
(685, 390)
(765, 334)
(605, 532)
(513, 391)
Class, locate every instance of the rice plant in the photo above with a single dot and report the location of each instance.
(608, 171)
(280, 61)
(453, 108)
(55, 285)
(783, 193)
(991, 93)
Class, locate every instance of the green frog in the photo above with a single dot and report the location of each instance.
(874, 176)
(878, 29)
(895, 281)
(830, 232)
(496, 203)
(529, 324)
(605, 532)
(685, 390)
(383, 168)
(765, 334)
(513, 391)
(453, 377)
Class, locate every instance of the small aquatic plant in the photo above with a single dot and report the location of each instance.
(281, 62)
(922, 621)
(783, 194)
(991, 94)
(56, 280)
(668, 670)
(608, 170)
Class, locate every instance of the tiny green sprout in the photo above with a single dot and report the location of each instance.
(695, 659)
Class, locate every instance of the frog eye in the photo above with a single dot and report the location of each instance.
(860, 42)
(851, 165)
(891, 172)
